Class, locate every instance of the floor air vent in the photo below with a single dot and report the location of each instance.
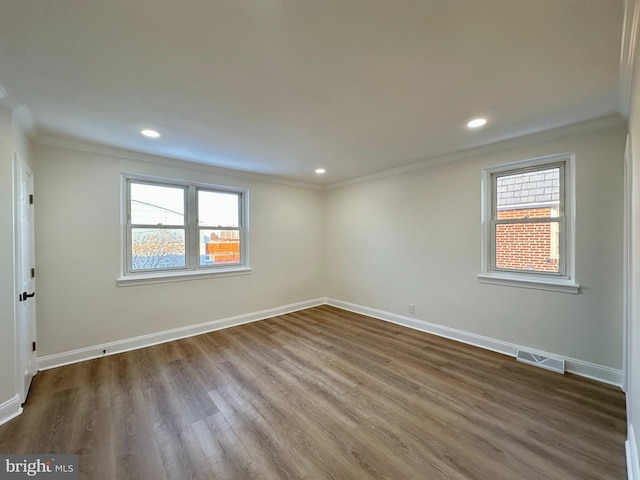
(542, 361)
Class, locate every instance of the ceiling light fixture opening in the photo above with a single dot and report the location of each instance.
(477, 123)
(147, 132)
(320, 171)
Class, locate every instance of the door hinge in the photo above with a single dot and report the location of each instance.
(33, 273)
(31, 199)
(34, 346)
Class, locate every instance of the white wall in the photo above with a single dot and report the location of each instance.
(633, 365)
(415, 238)
(78, 253)
(7, 290)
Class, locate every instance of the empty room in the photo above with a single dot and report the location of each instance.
(337, 239)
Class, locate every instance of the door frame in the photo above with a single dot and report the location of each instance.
(26, 362)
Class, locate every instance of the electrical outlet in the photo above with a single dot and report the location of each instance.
(412, 308)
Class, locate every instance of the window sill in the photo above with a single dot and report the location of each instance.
(548, 284)
(179, 276)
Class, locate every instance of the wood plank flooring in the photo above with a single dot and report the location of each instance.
(321, 394)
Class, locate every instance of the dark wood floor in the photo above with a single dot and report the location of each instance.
(317, 394)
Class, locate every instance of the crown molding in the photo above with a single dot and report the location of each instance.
(627, 52)
(582, 127)
(83, 146)
(23, 116)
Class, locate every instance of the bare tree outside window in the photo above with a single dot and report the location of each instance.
(157, 248)
(181, 227)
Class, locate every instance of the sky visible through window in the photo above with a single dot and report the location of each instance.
(164, 205)
(159, 239)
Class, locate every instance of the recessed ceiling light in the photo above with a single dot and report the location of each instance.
(477, 123)
(147, 132)
(320, 171)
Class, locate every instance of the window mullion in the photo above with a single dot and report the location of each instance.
(562, 199)
(192, 227)
(521, 221)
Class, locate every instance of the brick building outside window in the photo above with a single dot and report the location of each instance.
(528, 246)
(528, 224)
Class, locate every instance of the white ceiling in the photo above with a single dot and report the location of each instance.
(281, 87)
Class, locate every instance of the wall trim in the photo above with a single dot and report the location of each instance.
(74, 356)
(10, 409)
(25, 120)
(582, 127)
(627, 52)
(631, 447)
(600, 373)
(593, 371)
(86, 146)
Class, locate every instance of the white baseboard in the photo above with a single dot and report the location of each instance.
(10, 409)
(600, 373)
(631, 447)
(579, 367)
(96, 351)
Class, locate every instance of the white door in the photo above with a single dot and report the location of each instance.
(25, 277)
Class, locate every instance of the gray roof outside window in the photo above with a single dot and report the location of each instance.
(530, 188)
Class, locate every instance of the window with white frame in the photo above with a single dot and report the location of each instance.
(175, 228)
(528, 224)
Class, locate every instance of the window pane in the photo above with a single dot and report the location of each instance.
(528, 195)
(219, 246)
(156, 205)
(217, 209)
(528, 246)
(157, 248)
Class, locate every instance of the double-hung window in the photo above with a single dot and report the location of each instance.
(175, 230)
(528, 222)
